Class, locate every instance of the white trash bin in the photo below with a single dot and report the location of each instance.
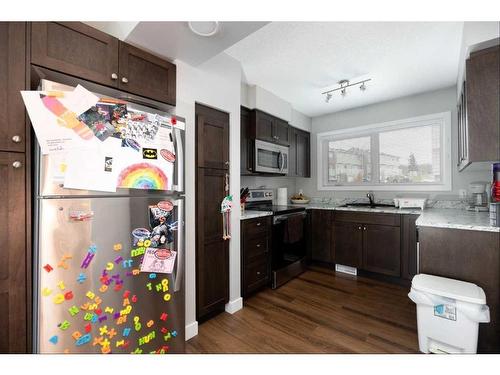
(448, 314)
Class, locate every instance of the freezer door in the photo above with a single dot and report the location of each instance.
(50, 174)
(91, 297)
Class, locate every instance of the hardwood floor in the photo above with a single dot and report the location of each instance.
(318, 312)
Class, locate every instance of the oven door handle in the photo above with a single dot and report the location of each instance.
(280, 218)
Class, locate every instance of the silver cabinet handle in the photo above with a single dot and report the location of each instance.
(17, 164)
(364, 228)
(359, 228)
(124, 80)
(258, 224)
(258, 245)
(114, 76)
(16, 139)
(258, 273)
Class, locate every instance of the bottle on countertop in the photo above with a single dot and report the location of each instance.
(495, 196)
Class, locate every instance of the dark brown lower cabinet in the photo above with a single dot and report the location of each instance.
(472, 256)
(13, 254)
(382, 249)
(255, 254)
(321, 221)
(347, 240)
(408, 246)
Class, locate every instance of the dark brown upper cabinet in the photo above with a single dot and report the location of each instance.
(82, 51)
(479, 116)
(245, 142)
(213, 135)
(299, 154)
(76, 49)
(147, 75)
(12, 80)
(268, 128)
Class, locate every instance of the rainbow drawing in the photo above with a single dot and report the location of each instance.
(142, 176)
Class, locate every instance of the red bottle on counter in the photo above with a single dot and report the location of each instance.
(495, 184)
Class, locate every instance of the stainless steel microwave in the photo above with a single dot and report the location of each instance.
(270, 158)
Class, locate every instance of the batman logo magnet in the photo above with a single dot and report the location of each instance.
(149, 153)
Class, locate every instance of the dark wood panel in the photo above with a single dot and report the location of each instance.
(317, 312)
(483, 105)
(368, 218)
(256, 276)
(321, 221)
(347, 239)
(13, 252)
(76, 49)
(256, 227)
(280, 132)
(12, 80)
(408, 246)
(212, 147)
(382, 249)
(292, 152)
(147, 75)
(212, 252)
(261, 126)
(471, 256)
(256, 248)
(246, 152)
(303, 153)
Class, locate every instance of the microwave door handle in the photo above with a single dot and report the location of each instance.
(280, 160)
(282, 166)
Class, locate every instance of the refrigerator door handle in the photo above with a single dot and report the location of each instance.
(179, 274)
(179, 159)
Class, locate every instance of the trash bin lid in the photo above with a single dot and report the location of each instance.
(456, 289)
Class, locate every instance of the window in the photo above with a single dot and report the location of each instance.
(410, 154)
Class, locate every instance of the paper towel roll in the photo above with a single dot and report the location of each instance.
(282, 196)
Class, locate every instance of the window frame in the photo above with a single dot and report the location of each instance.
(443, 119)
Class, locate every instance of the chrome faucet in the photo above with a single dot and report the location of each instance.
(371, 198)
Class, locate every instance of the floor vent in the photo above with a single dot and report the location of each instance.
(346, 269)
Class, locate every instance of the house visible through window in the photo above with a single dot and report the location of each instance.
(408, 154)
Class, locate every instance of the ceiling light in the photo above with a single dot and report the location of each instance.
(204, 28)
(343, 85)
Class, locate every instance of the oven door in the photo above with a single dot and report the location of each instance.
(270, 158)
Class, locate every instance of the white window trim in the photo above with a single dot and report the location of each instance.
(444, 118)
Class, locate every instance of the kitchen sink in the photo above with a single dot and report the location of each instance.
(368, 205)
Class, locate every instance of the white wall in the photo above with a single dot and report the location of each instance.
(253, 96)
(410, 106)
(215, 83)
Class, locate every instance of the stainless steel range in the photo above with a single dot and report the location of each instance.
(289, 246)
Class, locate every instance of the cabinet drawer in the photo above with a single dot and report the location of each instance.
(256, 248)
(256, 227)
(368, 218)
(256, 275)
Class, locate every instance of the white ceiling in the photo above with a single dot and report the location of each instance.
(174, 40)
(297, 61)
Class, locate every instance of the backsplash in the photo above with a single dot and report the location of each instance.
(434, 203)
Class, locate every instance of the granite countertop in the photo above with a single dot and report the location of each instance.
(455, 218)
(430, 217)
(249, 214)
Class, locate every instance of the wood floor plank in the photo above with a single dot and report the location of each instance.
(318, 312)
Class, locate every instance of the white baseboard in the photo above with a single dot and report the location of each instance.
(191, 330)
(235, 305)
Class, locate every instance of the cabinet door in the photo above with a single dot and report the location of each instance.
(280, 132)
(212, 138)
(292, 152)
(12, 80)
(245, 143)
(303, 154)
(147, 75)
(264, 125)
(347, 239)
(409, 247)
(382, 249)
(13, 272)
(483, 103)
(212, 252)
(321, 235)
(77, 49)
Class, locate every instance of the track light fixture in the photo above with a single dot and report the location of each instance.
(343, 85)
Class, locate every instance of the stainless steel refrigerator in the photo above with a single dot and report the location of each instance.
(89, 293)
